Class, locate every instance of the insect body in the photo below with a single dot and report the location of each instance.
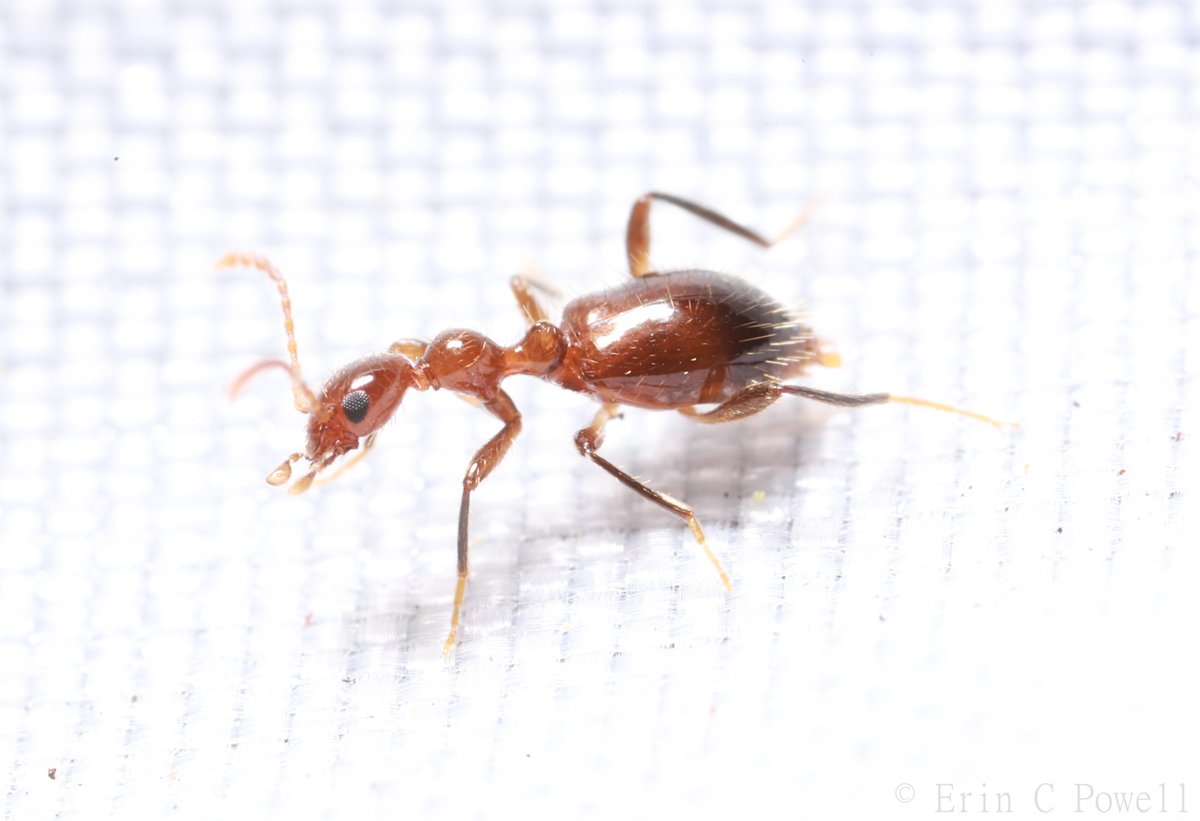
(679, 339)
(663, 341)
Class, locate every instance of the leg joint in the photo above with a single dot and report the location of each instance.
(585, 442)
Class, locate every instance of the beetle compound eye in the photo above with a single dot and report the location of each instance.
(355, 404)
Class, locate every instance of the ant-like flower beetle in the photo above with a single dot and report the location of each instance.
(671, 340)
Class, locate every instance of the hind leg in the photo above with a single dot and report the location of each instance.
(754, 398)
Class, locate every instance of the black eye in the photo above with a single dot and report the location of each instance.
(355, 404)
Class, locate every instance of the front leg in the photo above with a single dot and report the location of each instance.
(486, 458)
(411, 349)
(523, 286)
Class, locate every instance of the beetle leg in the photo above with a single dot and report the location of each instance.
(746, 402)
(523, 286)
(412, 349)
(756, 397)
(857, 400)
(589, 440)
(637, 234)
(484, 461)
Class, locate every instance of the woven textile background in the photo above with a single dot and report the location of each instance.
(927, 615)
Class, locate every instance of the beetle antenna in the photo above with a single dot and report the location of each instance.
(306, 400)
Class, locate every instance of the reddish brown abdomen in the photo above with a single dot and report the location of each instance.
(678, 339)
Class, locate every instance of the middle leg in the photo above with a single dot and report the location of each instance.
(589, 440)
(637, 234)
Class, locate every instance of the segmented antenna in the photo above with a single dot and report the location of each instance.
(306, 400)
